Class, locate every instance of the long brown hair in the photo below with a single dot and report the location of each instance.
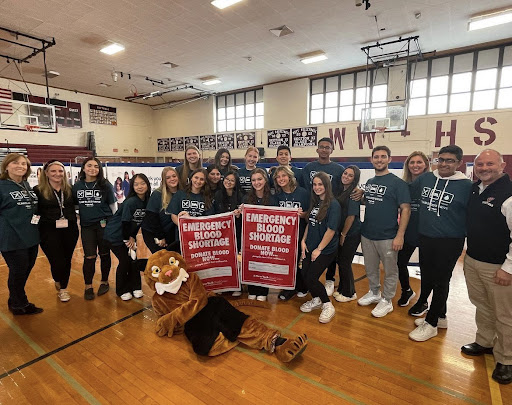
(252, 198)
(44, 183)
(205, 191)
(315, 199)
(407, 177)
(185, 171)
(12, 157)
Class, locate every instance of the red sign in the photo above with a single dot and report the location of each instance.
(209, 247)
(269, 246)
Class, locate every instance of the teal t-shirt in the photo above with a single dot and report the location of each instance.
(18, 203)
(131, 212)
(317, 229)
(332, 169)
(93, 202)
(192, 203)
(383, 195)
(244, 179)
(354, 208)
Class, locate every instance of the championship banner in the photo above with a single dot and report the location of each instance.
(209, 247)
(269, 246)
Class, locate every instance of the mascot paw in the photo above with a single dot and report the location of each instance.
(291, 348)
(161, 329)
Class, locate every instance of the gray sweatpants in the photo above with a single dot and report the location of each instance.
(374, 252)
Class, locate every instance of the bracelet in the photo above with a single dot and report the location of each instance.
(342, 234)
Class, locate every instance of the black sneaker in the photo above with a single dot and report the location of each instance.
(406, 297)
(286, 295)
(89, 294)
(418, 309)
(30, 309)
(103, 289)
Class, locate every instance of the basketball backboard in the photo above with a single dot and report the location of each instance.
(25, 116)
(392, 117)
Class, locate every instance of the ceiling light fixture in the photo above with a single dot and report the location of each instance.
(224, 3)
(490, 19)
(211, 81)
(112, 48)
(312, 57)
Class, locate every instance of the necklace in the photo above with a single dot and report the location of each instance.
(94, 185)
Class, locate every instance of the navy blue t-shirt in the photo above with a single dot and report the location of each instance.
(332, 169)
(317, 229)
(244, 179)
(130, 214)
(93, 202)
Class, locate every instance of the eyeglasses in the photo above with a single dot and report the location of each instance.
(229, 180)
(447, 161)
(324, 147)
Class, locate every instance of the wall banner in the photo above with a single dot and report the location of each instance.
(100, 114)
(302, 137)
(191, 140)
(177, 144)
(163, 145)
(278, 137)
(226, 141)
(209, 248)
(269, 246)
(208, 142)
(245, 139)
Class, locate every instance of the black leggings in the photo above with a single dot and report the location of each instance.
(438, 257)
(20, 263)
(344, 258)
(404, 256)
(92, 242)
(311, 272)
(127, 273)
(58, 245)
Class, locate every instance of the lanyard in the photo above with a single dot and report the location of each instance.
(60, 201)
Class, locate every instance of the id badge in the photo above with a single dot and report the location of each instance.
(103, 223)
(61, 223)
(35, 219)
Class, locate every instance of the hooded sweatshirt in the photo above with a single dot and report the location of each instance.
(443, 204)
(18, 203)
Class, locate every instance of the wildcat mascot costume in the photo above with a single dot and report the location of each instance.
(211, 323)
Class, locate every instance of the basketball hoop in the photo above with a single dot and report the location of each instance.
(381, 130)
(32, 128)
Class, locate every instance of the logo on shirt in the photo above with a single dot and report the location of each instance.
(489, 202)
(245, 180)
(312, 216)
(435, 195)
(20, 195)
(194, 208)
(88, 194)
(374, 192)
(290, 204)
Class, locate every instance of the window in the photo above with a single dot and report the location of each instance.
(343, 97)
(240, 111)
(474, 81)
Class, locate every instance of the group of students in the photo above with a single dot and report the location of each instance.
(325, 193)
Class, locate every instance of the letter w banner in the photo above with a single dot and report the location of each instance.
(208, 245)
(269, 246)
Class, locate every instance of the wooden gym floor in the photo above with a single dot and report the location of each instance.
(105, 351)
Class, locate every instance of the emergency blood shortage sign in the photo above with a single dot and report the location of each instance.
(209, 248)
(269, 246)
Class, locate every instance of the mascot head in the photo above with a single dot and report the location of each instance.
(165, 272)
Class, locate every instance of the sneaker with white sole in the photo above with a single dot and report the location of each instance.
(341, 298)
(328, 312)
(127, 296)
(261, 298)
(383, 308)
(310, 305)
(236, 293)
(406, 297)
(418, 309)
(423, 332)
(329, 287)
(369, 298)
(251, 296)
(301, 294)
(442, 323)
(138, 294)
(64, 295)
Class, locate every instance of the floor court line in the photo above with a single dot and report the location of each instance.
(494, 387)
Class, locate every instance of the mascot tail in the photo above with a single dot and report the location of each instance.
(250, 303)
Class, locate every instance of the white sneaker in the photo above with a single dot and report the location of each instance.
(127, 296)
(329, 287)
(251, 296)
(442, 323)
(341, 298)
(310, 305)
(64, 295)
(261, 298)
(138, 294)
(236, 293)
(383, 308)
(328, 312)
(302, 294)
(423, 332)
(369, 298)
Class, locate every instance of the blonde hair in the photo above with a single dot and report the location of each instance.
(407, 177)
(166, 194)
(252, 149)
(44, 182)
(12, 157)
(286, 170)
